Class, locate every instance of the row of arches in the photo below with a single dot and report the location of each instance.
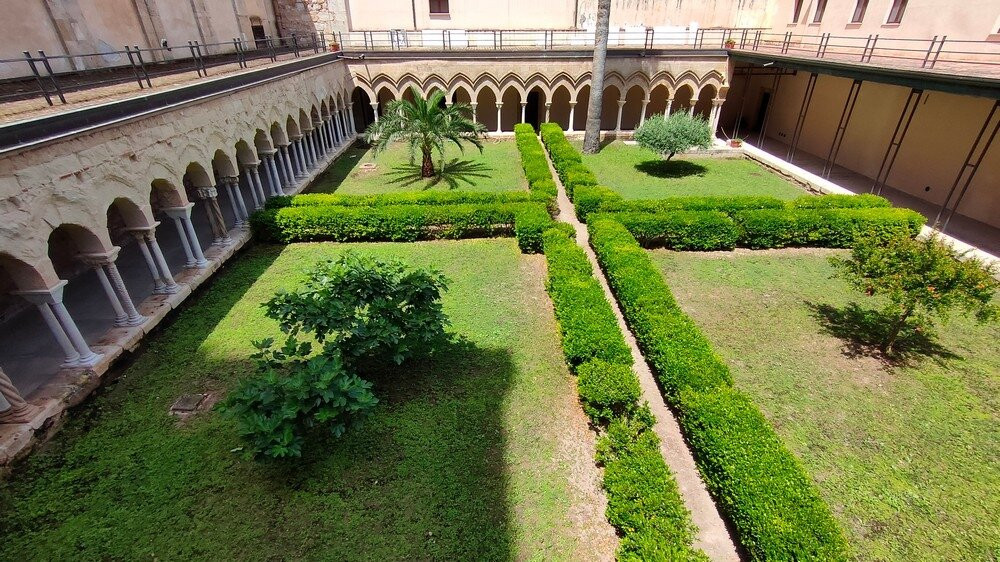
(99, 283)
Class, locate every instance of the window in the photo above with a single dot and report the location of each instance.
(859, 11)
(796, 11)
(439, 6)
(896, 12)
(820, 8)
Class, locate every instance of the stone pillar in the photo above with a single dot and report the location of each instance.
(273, 177)
(642, 115)
(666, 111)
(62, 326)
(189, 239)
(618, 121)
(499, 105)
(163, 280)
(691, 109)
(338, 135)
(286, 164)
(524, 105)
(121, 302)
(572, 114)
(209, 196)
(300, 150)
(473, 105)
(310, 149)
(232, 187)
(716, 111)
(350, 116)
(548, 111)
(13, 407)
(329, 132)
(252, 177)
(374, 105)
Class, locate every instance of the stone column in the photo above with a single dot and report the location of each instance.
(666, 111)
(548, 111)
(716, 111)
(273, 177)
(62, 326)
(285, 164)
(232, 187)
(338, 135)
(300, 150)
(189, 238)
(121, 302)
(618, 122)
(524, 105)
(309, 149)
(499, 105)
(13, 407)
(163, 280)
(474, 105)
(252, 178)
(350, 116)
(691, 109)
(209, 196)
(642, 115)
(572, 115)
(374, 105)
(328, 125)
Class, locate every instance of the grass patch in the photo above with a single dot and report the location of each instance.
(637, 173)
(469, 455)
(494, 170)
(905, 455)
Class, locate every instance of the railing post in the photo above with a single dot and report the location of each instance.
(501, 39)
(142, 65)
(295, 45)
(194, 58)
(785, 42)
(756, 39)
(871, 51)
(699, 35)
(938, 52)
(131, 64)
(38, 78)
(52, 76)
(315, 43)
(930, 49)
(743, 39)
(364, 35)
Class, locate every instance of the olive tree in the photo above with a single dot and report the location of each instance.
(677, 133)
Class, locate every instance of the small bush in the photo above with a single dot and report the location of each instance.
(406, 198)
(682, 230)
(529, 224)
(830, 228)
(566, 159)
(536, 166)
(608, 391)
(588, 199)
(725, 204)
(367, 308)
(677, 133)
(841, 201)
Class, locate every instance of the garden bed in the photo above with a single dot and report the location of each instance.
(495, 169)
(905, 455)
(458, 461)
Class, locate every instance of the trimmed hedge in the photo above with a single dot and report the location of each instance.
(407, 198)
(404, 223)
(681, 230)
(588, 199)
(832, 228)
(566, 159)
(766, 493)
(644, 503)
(841, 201)
(587, 324)
(694, 203)
(533, 161)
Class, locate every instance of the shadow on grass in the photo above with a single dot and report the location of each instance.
(670, 168)
(864, 329)
(453, 173)
(339, 170)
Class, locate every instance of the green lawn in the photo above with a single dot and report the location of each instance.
(637, 173)
(497, 168)
(907, 456)
(481, 453)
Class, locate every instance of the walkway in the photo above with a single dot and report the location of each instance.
(714, 537)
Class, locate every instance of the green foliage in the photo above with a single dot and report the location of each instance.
(425, 125)
(533, 161)
(830, 228)
(588, 199)
(921, 279)
(608, 391)
(406, 198)
(529, 225)
(677, 133)
(366, 308)
(292, 393)
(682, 230)
(566, 159)
(763, 488)
(725, 204)
(841, 201)
(766, 493)
(587, 324)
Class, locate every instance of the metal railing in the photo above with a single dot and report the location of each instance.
(52, 77)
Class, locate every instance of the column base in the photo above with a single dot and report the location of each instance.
(89, 360)
(20, 414)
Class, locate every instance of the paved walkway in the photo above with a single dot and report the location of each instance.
(714, 537)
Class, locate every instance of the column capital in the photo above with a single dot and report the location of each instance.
(317, 122)
(52, 295)
(101, 258)
(266, 152)
(179, 212)
(144, 232)
(473, 104)
(295, 138)
(621, 103)
(548, 104)
(252, 164)
(524, 103)
(208, 192)
(499, 105)
(572, 103)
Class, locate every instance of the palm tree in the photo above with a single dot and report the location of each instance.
(427, 124)
(592, 139)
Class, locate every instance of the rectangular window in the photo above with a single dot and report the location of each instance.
(439, 6)
(796, 11)
(820, 8)
(859, 11)
(896, 12)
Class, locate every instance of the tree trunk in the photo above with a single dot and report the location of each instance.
(890, 341)
(427, 166)
(592, 138)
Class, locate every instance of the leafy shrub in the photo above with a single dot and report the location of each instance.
(677, 133)
(529, 224)
(608, 391)
(725, 204)
(291, 394)
(920, 279)
(406, 198)
(841, 201)
(682, 230)
(566, 159)
(367, 308)
(587, 324)
(765, 491)
(536, 166)
(831, 228)
(588, 199)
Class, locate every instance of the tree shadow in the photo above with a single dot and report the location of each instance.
(454, 173)
(671, 168)
(862, 330)
(339, 170)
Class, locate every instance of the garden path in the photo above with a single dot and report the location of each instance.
(714, 537)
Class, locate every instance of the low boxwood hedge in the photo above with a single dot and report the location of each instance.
(831, 228)
(682, 230)
(841, 201)
(533, 161)
(763, 489)
(725, 204)
(566, 159)
(403, 223)
(588, 199)
(608, 390)
(408, 198)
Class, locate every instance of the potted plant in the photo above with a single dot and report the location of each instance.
(736, 143)
(730, 44)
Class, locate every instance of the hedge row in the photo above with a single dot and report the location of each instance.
(736, 203)
(407, 198)
(761, 486)
(533, 161)
(644, 503)
(566, 159)
(764, 228)
(404, 223)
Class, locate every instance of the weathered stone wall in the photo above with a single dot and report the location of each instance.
(304, 17)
